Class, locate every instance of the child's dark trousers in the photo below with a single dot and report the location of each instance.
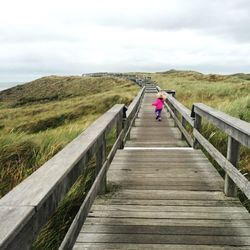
(157, 114)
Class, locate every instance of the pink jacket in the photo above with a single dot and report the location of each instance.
(158, 103)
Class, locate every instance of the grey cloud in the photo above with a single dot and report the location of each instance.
(79, 41)
(224, 18)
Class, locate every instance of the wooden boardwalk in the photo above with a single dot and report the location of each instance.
(164, 195)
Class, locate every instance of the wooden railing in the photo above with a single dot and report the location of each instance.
(25, 209)
(238, 132)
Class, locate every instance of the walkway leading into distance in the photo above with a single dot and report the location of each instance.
(164, 195)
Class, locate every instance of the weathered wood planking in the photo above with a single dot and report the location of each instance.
(165, 239)
(129, 246)
(163, 199)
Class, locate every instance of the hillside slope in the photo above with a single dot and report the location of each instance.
(38, 118)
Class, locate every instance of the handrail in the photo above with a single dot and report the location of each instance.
(237, 177)
(236, 128)
(25, 209)
(76, 225)
(131, 113)
(238, 132)
(186, 113)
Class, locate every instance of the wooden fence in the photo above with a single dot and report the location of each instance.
(238, 132)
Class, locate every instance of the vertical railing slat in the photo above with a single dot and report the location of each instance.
(233, 155)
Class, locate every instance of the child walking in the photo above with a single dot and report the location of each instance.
(159, 104)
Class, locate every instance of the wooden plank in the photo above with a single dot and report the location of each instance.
(158, 174)
(165, 151)
(159, 138)
(170, 187)
(129, 246)
(169, 179)
(180, 163)
(216, 178)
(169, 222)
(171, 166)
(173, 143)
(159, 160)
(154, 130)
(165, 239)
(169, 215)
(164, 182)
(172, 158)
(171, 195)
(19, 218)
(165, 230)
(178, 167)
(110, 199)
(163, 171)
(147, 123)
(153, 208)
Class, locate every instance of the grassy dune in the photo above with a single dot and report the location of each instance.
(230, 94)
(39, 118)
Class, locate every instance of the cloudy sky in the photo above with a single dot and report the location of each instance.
(47, 37)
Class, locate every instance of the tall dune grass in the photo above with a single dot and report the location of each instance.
(229, 94)
(35, 126)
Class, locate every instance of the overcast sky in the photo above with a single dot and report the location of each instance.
(47, 37)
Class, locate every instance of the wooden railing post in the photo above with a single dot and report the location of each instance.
(197, 126)
(184, 124)
(176, 115)
(100, 159)
(233, 155)
(119, 124)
